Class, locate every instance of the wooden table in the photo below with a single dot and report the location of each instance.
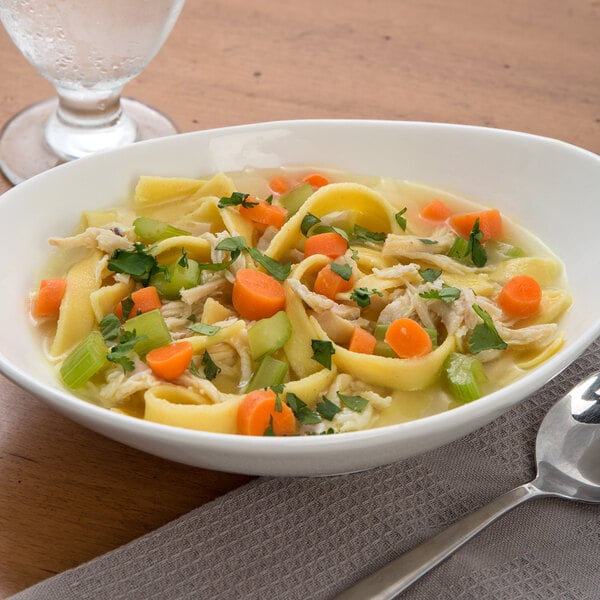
(66, 494)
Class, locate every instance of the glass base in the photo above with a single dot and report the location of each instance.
(24, 151)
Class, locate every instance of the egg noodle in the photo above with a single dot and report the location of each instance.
(378, 301)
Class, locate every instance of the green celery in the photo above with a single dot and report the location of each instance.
(179, 277)
(84, 361)
(270, 372)
(268, 335)
(380, 330)
(152, 230)
(296, 197)
(464, 374)
(382, 348)
(433, 334)
(152, 325)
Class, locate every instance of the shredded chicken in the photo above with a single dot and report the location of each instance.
(320, 303)
(205, 290)
(120, 385)
(106, 239)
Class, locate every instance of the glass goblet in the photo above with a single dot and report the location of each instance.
(88, 50)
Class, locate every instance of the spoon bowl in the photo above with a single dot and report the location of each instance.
(568, 466)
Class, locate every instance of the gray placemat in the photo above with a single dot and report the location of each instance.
(311, 538)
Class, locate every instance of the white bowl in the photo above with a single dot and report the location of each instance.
(550, 187)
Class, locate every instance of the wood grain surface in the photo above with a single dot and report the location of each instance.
(67, 494)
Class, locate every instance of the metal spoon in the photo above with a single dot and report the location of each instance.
(568, 466)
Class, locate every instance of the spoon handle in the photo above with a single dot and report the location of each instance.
(399, 574)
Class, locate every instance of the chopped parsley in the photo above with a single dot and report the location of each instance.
(204, 329)
(322, 352)
(137, 263)
(447, 294)
(362, 295)
(327, 409)
(211, 370)
(363, 234)
(118, 353)
(485, 335)
(110, 326)
(344, 271)
(400, 219)
(355, 403)
(303, 413)
(308, 222)
(237, 199)
(430, 275)
(475, 247)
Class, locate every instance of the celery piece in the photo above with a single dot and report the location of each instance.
(296, 197)
(380, 330)
(84, 361)
(384, 349)
(152, 325)
(152, 230)
(268, 335)
(270, 372)
(179, 277)
(433, 334)
(464, 374)
(459, 249)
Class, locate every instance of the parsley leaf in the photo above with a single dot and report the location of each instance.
(448, 294)
(278, 270)
(137, 262)
(211, 370)
(485, 335)
(204, 329)
(428, 242)
(304, 414)
(365, 235)
(308, 222)
(355, 403)
(118, 353)
(236, 199)
(322, 352)
(110, 326)
(400, 219)
(475, 248)
(269, 431)
(344, 271)
(327, 409)
(183, 261)
(194, 370)
(362, 295)
(430, 274)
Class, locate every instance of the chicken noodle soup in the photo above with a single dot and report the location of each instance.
(296, 302)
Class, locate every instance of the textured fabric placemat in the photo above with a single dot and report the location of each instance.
(311, 538)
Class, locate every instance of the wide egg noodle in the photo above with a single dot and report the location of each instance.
(405, 374)
(169, 250)
(104, 299)
(545, 270)
(151, 190)
(372, 212)
(180, 407)
(77, 317)
(298, 349)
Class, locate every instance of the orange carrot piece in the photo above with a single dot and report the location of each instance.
(263, 213)
(257, 295)
(258, 411)
(490, 224)
(169, 362)
(145, 299)
(520, 297)
(408, 339)
(330, 244)
(316, 180)
(436, 210)
(362, 341)
(330, 284)
(49, 297)
(280, 185)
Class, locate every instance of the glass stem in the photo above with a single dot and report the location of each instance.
(88, 121)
